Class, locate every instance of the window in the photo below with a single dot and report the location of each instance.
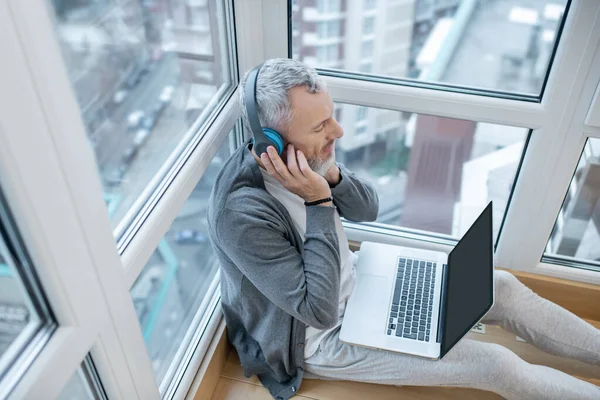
(366, 67)
(328, 53)
(84, 384)
(457, 44)
(328, 29)
(144, 76)
(432, 173)
(370, 4)
(361, 114)
(576, 233)
(25, 319)
(369, 25)
(367, 49)
(172, 289)
(361, 130)
(328, 6)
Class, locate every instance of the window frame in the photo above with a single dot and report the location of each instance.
(30, 340)
(86, 279)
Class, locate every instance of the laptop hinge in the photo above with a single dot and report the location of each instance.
(442, 316)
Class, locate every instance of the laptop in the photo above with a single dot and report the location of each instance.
(421, 302)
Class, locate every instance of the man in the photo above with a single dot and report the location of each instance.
(287, 272)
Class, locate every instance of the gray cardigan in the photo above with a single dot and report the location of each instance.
(272, 284)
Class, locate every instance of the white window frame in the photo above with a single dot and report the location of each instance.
(558, 137)
(44, 149)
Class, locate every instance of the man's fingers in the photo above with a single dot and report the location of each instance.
(270, 168)
(292, 163)
(303, 163)
(277, 162)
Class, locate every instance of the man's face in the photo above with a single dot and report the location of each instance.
(313, 130)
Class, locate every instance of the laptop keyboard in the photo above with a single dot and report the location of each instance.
(412, 303)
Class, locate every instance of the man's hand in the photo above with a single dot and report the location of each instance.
(297, 176)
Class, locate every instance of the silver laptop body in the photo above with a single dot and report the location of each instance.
(421, 302)
(369, 320)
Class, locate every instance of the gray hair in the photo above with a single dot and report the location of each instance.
(276, 77)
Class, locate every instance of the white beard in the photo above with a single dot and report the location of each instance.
(322, 166)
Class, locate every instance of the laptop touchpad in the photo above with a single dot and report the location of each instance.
(370, 298)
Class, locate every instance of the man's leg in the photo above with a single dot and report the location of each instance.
(470, 363)
(541, 322)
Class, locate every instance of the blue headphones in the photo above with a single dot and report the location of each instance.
(263, 137)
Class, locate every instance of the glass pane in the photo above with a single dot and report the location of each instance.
(576, 233)
(83, 385)
(449, 41)
(168, 293)
(24, 318)
(432, 173)
(143, 73)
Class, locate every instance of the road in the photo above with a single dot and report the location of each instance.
(167, 133)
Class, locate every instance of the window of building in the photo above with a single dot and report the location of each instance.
(361, 113)
(361, 130)
(576, 233)
(369, 25)
(328, 29)
(366, 67)
(367, 49)
(519, 64)
(328, 53)
(435, 174)
(328, 6)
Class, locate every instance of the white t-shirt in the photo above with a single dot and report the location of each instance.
(295, 206)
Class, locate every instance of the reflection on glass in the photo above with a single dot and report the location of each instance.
(576, 233)
(142, 72)
(451, 41)
(83, 385)
(174, 282)
(432, 173)
(18, 318)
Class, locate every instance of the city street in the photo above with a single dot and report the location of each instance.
(167, 133)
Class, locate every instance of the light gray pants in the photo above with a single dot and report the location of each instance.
(480, 365)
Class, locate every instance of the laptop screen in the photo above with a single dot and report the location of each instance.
(470, 281)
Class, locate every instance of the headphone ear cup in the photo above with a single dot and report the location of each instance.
(275, 138)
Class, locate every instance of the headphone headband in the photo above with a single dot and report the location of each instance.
(252, 106)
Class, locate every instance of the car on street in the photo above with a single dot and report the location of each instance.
(119, 96)
(166, 94)
(129, 154)
(140, 137)
(148, 121)
(134, 78)
(190, 236)
(134, 118)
